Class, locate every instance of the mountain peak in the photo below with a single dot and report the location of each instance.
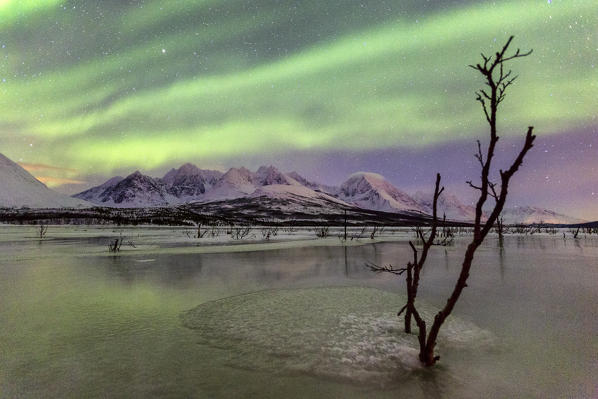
(268, 175)
(19, 188)
(372, 191)
(363, 189)
(368, 176)
(135, 174)
(188, 169)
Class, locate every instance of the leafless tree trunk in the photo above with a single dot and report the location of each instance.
(345, 235)
(500, 230)
(43, 229)
(497, 81)
(414, 268)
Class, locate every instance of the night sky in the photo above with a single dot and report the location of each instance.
(90, 89)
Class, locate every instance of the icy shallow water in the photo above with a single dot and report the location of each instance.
(294, 322)
(347, 333)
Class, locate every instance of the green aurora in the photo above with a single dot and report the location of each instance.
(94, 87)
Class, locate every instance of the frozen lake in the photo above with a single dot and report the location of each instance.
(290, 322)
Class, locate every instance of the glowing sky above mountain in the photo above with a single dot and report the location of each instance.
(94, 88)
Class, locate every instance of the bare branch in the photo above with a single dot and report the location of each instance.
(479, 155)
(385, 269)
(517, 54)
(493, 190)
(473, 185)
(402, 310)
(414, 252)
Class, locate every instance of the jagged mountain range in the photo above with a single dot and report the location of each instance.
(287, 192)
(190, 184)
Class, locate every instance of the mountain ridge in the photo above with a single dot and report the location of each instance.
(366, 190)
(291, 192)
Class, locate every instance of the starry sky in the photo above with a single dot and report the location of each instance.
(90, 89)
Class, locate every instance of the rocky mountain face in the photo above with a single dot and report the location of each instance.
(134, 191)
(370, 191)
(189, 181)
(18, 188)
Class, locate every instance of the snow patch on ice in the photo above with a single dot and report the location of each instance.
(348, 333)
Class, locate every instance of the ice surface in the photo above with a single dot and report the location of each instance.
(347, 333)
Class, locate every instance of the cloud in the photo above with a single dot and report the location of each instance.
(35, 167)
(58, 181)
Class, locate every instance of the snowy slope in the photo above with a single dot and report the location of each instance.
(373, 191)
(287, 191)
(94, 193)
(448, 204)
(532, 214)
(268, 175)
(135, 190)
(241, 182)
(18, 188)
(313, 185)
(235, 183)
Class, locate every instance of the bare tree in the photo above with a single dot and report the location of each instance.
(43, 229)
(414, 267)
(446, 236)
(115, 245)
(322, 232)
(497, 81)
(345, 230)
(500, 228)
(238, 233)
(200, 234)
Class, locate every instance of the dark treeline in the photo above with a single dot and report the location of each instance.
(212, 214)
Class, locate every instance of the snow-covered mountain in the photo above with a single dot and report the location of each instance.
(235, 183)
(189, 182)
(18, 188)
(373, 191)
(448, 204)
(313, 185)
(94, 193)
(134, 191)
(268, 175)
(283, 191)
(532, 214)
(241, 182)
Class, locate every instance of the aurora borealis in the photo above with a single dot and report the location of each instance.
(89, 89)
